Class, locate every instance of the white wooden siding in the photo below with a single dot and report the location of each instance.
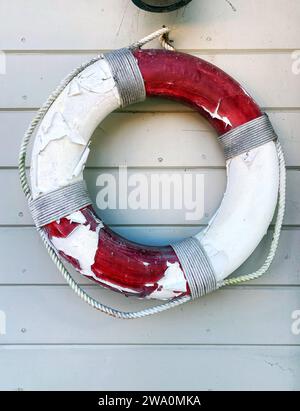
(190, 367)
(53, 340)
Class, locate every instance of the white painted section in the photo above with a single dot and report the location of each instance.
(53, 314)
(246, 210)
(172, 284)
(60, 148)
(2, 323)
(252, 320)
(55, 368)
(82, 245)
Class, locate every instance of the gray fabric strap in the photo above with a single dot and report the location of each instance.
(59, 203)
(248, 136)
(196, 266)
(127, 76)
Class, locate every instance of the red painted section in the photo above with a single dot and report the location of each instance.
(193, 81)
(131, 265)
(218, 98)
(120, 262)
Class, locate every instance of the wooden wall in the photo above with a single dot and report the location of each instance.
(239, 337)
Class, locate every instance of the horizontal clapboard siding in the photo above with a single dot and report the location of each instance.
(53, 314)
(170, 367)
(93, 25)
(235, 339)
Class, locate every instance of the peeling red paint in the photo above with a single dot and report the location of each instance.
(121, 263)
(61, 228)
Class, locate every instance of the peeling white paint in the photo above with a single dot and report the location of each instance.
(55, 128)
(74, 88)
(76, 217)
(96, 80)
(60, 149)
(82, 245)
(81, 163)
(215, 114)
(171, 284)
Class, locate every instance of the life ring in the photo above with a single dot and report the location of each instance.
(61, 206)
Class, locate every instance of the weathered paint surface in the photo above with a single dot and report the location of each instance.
(198, 83)
(61, 145)
(252, 179)
(115, 262)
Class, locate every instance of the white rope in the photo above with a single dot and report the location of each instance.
(57, 259)
(162, 34)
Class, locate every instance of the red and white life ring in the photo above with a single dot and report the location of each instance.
(61, 148)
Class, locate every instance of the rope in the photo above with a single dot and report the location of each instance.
(165, 42)
(127, 76)
(59, 203)
(53, 253)
(248, 136)
(163, 36)
(196, 266)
